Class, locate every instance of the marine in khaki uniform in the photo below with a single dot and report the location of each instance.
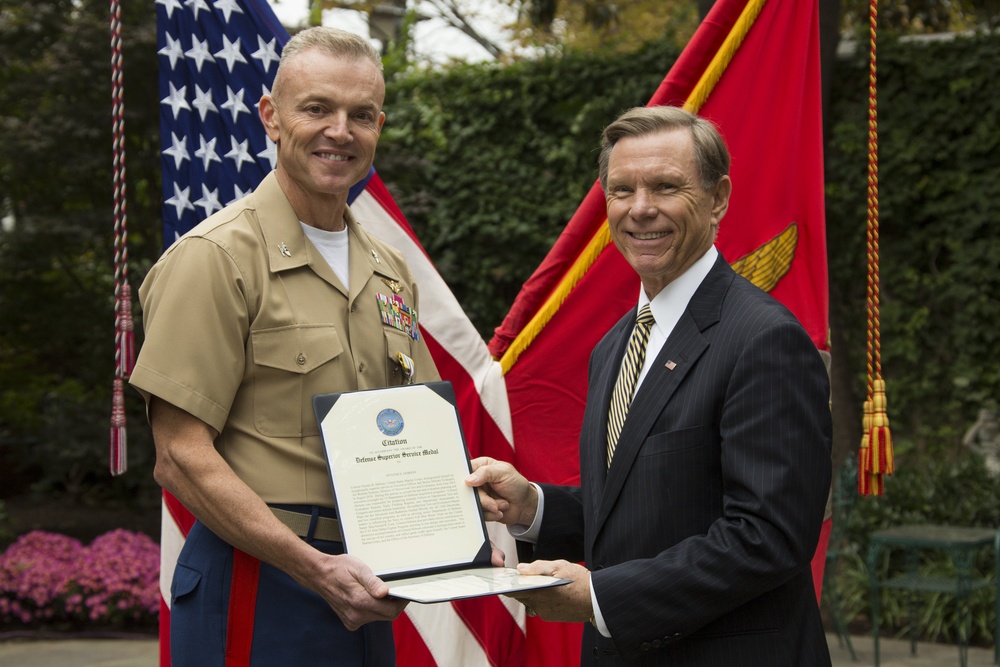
(274, 299)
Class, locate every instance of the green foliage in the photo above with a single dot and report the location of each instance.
(919, 16)
(956, 492)
(939, 179)
(5, 533)
(603, 25)
(56, 286)
(398, 57)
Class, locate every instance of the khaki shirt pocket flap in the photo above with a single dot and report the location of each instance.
(296, 349)
(396, 342)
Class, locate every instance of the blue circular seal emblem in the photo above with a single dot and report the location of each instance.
(389, 422)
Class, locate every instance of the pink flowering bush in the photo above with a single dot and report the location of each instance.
(53, 580)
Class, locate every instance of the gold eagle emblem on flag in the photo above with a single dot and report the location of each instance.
(766, 265)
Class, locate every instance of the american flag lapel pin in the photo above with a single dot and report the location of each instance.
(670, 365)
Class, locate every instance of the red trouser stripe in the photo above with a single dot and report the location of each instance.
(242, 605)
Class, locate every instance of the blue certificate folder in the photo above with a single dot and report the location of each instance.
(397, 459)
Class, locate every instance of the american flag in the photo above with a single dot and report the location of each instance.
(216, 58)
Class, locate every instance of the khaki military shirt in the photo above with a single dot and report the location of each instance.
(245, 322)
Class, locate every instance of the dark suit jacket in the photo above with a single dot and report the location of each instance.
(700, 536)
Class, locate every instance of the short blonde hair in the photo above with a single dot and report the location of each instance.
(334, 41)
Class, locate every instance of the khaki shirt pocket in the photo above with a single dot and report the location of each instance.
(285, 362)
(396, 342)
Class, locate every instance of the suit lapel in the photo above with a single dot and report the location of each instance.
(683, 348)
(604, 372)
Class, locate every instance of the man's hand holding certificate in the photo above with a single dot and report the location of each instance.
(506, 496)
(398, 463)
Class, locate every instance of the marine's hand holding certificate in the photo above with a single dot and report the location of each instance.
(398, 462)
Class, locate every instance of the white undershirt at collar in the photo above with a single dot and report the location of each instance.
(334, 246)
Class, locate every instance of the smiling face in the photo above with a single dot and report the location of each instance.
(660, 216)
(325, 119)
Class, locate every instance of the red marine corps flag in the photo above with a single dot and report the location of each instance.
(753, 69)
(216, 58)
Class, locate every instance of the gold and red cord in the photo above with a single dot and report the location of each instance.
(875, 460)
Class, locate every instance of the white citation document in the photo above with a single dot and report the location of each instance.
(398, 463)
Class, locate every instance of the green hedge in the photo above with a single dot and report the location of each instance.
(939, 170)
(940, 286)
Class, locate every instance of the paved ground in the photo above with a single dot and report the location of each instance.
(144, 653)
(80, 653)
(896, 653)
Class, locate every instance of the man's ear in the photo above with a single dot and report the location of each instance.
(720, 199)
(268, 117)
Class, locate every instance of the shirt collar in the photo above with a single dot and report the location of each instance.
(673, 299)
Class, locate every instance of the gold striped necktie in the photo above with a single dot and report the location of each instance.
(627, 377)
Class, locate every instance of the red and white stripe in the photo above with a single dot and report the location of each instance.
(488, 631)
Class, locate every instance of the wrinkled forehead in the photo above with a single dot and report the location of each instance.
(672, 147)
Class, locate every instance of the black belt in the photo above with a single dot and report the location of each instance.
(326, 528)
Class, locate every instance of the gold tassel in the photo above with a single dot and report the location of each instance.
(864, 460)
(879, 434)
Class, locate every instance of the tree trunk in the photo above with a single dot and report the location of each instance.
(829, 38)
(846, 404)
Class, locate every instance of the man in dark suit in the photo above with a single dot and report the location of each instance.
(703, 489)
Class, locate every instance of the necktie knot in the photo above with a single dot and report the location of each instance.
(645, 317)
